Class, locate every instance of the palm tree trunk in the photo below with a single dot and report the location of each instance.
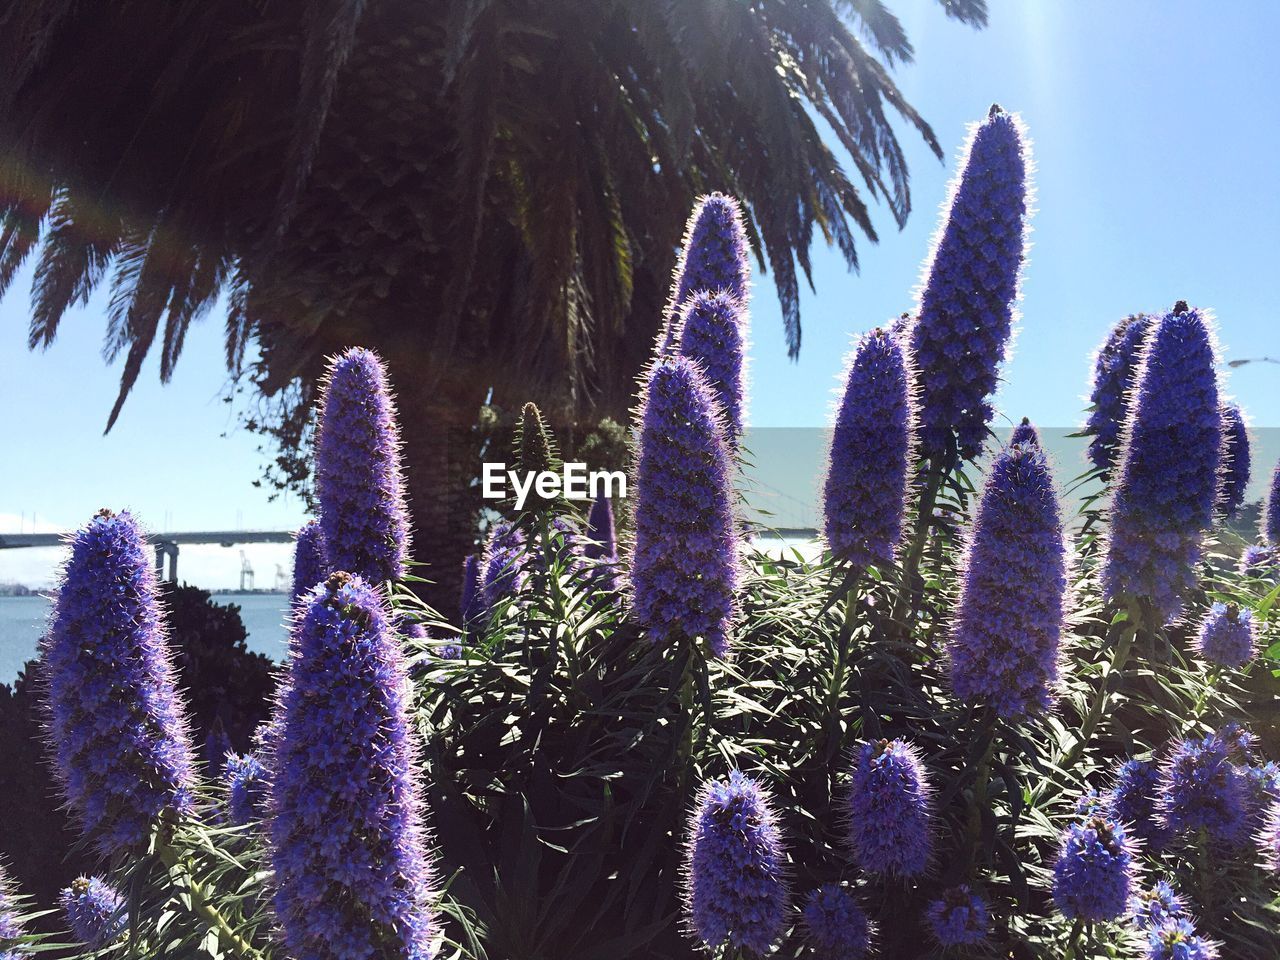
(441, 459)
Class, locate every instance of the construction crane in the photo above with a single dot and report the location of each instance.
(282, 581)
(246, 573)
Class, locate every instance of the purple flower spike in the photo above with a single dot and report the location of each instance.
(1114, 368)
(1201, 789)
(1271, 515)
(1153, 907)
(1258, 560)
(835, 927)
(1024, 432)
(684, 573)
(471, 605)
(601, 530)
(865, 491)
(735, 890)
(712, 333)
(359, 481)
(116, 724)
(1262, 789)
(10, 926)
(714, 255)
(94, 910)
(601, 545)
(503, 569)
(247, 781)
(1132, 801)
(1008, 622)
(1167, 483)
(1235, 461)
(959, 918)
(309, 566)
(1226, 636)
(966, 308)
(348, 845)
(890, 809)
(1094, 871)
(1269, 838)
(1176, 939)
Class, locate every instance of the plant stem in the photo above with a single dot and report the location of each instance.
(978, 797)
(1207, 900)
(911, 562)
(836, 684)
(1073, 940)
(202, 908)
(1119, 657)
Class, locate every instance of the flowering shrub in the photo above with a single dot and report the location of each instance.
(642, 736)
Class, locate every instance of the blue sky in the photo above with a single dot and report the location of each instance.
(1155, 130)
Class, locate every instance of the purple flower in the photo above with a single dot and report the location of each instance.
(247, 782)
(10, 923)
(835, 927)
(1153, 907)
(735, 890)
(1004, 638)
(602, 545)
(602, 535)
(1269, 838)
(1239, 739)
(1271, 515)
(1094, 870)
(352, 871)
(1258, 560)
(1167, 478)
(309, 566)
(1201, 789)
(1226, 636)
(714, 255)
(889, 811)
(471, 605)
(1235, 461)
(358, 478)
(1132, 801)
(684, 573)
(1176, 939)
(1090, 803)
(712, 333)
(865, 491)
(450, 651)
(966, 309)
(116, 723)
(94, 910)
(1024, 432)
(1114, 368)
(503, 569)
(1262, 789)
(959, 918)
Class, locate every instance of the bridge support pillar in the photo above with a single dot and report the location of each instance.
(166, 548)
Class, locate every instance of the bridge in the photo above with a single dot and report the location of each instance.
(165, 544)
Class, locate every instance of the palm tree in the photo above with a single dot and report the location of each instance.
(489, 192)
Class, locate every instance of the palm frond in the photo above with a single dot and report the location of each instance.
(495, 185)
